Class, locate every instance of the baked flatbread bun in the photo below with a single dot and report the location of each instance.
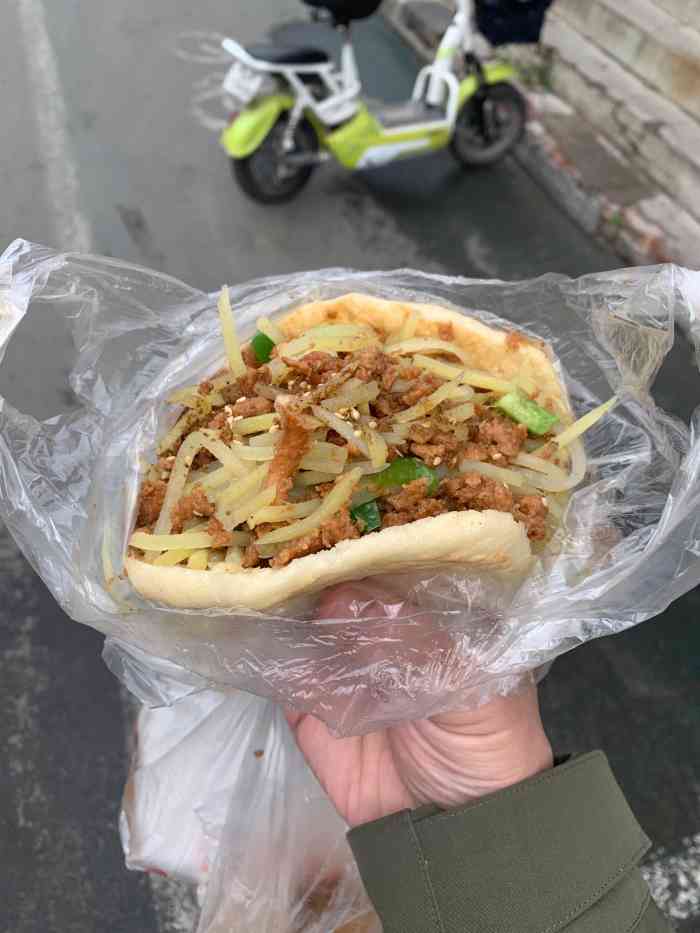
(479, 539)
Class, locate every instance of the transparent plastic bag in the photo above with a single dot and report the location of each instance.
(283, 863)
(629, 545)
(219, 795)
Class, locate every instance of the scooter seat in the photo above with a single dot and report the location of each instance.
(344, 11)
(288, 54)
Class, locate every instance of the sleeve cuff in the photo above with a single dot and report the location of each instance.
(530, 858)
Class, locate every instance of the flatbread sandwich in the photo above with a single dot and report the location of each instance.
(353, 437)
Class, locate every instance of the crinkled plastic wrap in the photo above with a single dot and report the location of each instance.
(412, 644)
(219, 795)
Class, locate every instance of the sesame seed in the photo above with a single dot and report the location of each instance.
(238, 417)
(228, 409)
(372, 424)
(437, 461)
(238, 441)
(357, 432)
(273, 428)
(243, 398)
(198, 514)
(498, 456)
(170, 458)
(544, 500)
(164, 475)
(355, 414)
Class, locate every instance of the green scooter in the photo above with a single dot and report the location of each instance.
(295, 108)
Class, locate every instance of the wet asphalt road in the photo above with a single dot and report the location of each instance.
(104, 149)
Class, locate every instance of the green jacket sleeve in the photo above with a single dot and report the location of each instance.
(557, 852)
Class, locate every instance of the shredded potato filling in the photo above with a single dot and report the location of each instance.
(183, 462)
(369, 430)
(334, 501)
(283, 513)
(583, 424)
(421, 409)
(228, 329)
(189, 541)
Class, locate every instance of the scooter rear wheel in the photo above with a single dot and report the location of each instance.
(489, 125)
(264, 177)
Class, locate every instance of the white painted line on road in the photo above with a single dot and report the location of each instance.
(73, 230)
(675, 880)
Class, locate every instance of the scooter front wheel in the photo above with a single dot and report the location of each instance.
(489, 125)
(265, 176)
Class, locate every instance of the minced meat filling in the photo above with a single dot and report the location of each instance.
(286, 392)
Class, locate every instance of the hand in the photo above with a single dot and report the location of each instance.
(448, 759)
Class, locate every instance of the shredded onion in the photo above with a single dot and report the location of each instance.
(377, 446)
(503, 475)
(550, 477)
(243, 487)
(256, 453)
(428, 403)
(438, 367)
(460, 412)
(392, 437)
(283, 513)
(255, 424)
(240, 512)
(333, 502)
(314, 477)
(350, 397)
(344, 428)
(428, 345)
(322, 463)
(172, 558)
(228, 329)
(266, 439)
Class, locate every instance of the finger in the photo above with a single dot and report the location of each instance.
(293, 718)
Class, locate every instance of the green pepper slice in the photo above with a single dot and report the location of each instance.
(405, 470)
(523, 410)
(262, 347)
(367, 516)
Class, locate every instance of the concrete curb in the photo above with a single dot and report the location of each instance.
(635, 231)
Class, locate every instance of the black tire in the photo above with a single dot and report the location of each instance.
(489, 125)
(260, 175)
